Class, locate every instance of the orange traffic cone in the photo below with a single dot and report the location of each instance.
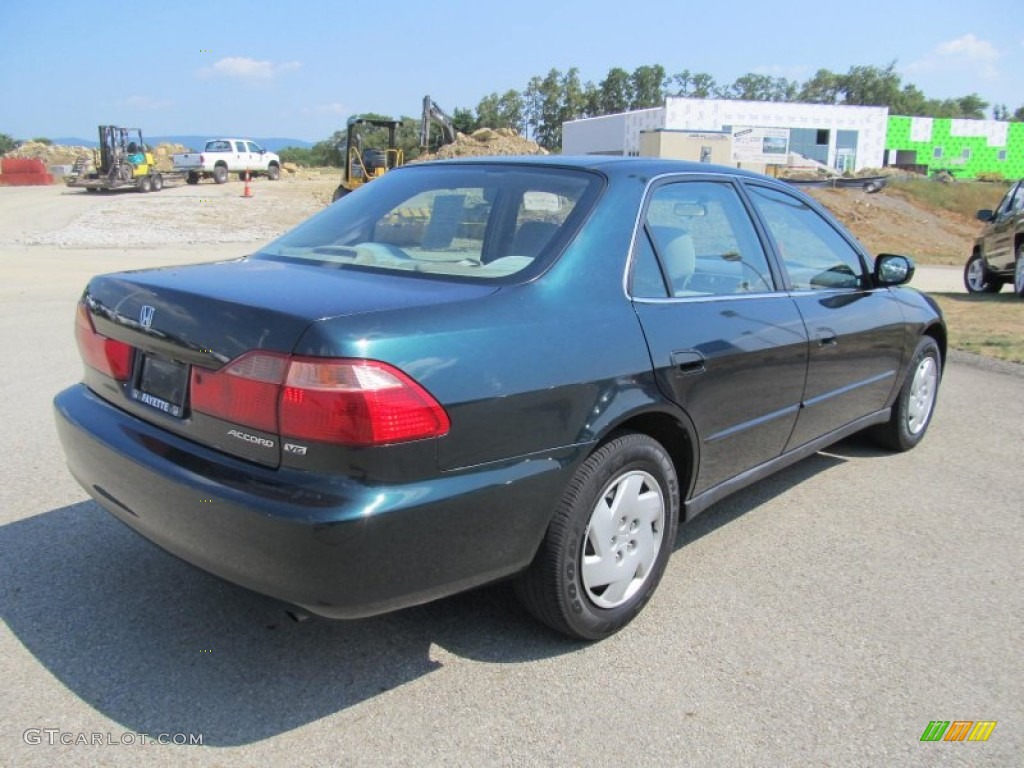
(248, 189)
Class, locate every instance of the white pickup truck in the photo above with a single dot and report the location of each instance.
(223, 156)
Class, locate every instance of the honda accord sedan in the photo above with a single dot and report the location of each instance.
(527, 369)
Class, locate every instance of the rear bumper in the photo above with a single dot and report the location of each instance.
(336, 546)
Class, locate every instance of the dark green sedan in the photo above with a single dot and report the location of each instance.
(477, 370)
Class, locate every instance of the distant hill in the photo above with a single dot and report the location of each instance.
(195, 142)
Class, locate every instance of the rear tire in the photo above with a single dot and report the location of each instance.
(977, 278)
(608, 543)
(192, 178)
(339, 193)
(158, 182)
(915, 404)
(220, 174)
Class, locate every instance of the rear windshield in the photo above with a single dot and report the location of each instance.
(468, 221)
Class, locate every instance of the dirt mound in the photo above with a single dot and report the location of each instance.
(486, 142)
(886, 222)
(59, 154)
(50, 154)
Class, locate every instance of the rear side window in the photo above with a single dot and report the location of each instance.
(815, 255)
(704, 240)
(487, 222)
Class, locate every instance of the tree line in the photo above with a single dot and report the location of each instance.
(540, 109)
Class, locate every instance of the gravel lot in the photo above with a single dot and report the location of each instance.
(820, 618)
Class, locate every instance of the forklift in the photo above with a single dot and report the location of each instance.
(362, 165)
(123, 160)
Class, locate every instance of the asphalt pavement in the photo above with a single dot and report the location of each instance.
(823, 617)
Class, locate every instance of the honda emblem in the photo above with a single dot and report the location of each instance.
(146, 316)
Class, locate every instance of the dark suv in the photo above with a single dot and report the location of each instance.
(998, 255)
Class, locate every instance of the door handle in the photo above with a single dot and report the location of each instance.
(688, 362)
(827, 337)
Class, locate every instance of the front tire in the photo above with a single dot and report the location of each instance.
(144, 184)
(274, 172)
(1018, 272)
(977, 278)
(915, 404)
(609, 541)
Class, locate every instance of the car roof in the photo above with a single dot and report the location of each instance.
(612, 165)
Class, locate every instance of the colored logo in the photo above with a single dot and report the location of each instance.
(958, 730)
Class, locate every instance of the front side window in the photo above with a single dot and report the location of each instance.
(815, 255)
(704, 240)
(472, 221)
(254, 147)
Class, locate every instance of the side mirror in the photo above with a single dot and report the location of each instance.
(985, 214)
(892, 269)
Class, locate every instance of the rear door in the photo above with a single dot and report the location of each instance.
(856, 331)
(242, 160)
(727, 346)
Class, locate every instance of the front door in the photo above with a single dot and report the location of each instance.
(855, 331)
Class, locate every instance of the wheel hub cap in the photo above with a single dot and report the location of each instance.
(922, 395)
(623, 539)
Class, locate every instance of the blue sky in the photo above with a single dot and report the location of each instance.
(299, 69)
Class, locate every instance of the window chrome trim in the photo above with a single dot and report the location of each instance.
(638, 224)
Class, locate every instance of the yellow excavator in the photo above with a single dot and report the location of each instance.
(123, 160)
(363, 165)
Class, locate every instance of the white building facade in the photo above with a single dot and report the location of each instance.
(843, 137)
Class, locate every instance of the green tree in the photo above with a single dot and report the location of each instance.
(329, 152)
(43, 140)
(681, 83)
(299, 155)
(573, 102)
(7, 143)
(1018, 115)
(464, 121)
(972, 106)
(533, 99)
(510, 111)
(911, 101)
(648, 86)
(488, 112)
(549, 128)
(616, 91)
(754, 87)
(702, 85)
(591, 100)
(871, 86)
(823, 88)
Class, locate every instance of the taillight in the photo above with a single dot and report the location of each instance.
(356, 402)
(341, 401)
(245, 391)
(108, 356)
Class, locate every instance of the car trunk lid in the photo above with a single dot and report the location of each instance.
(184, 322)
